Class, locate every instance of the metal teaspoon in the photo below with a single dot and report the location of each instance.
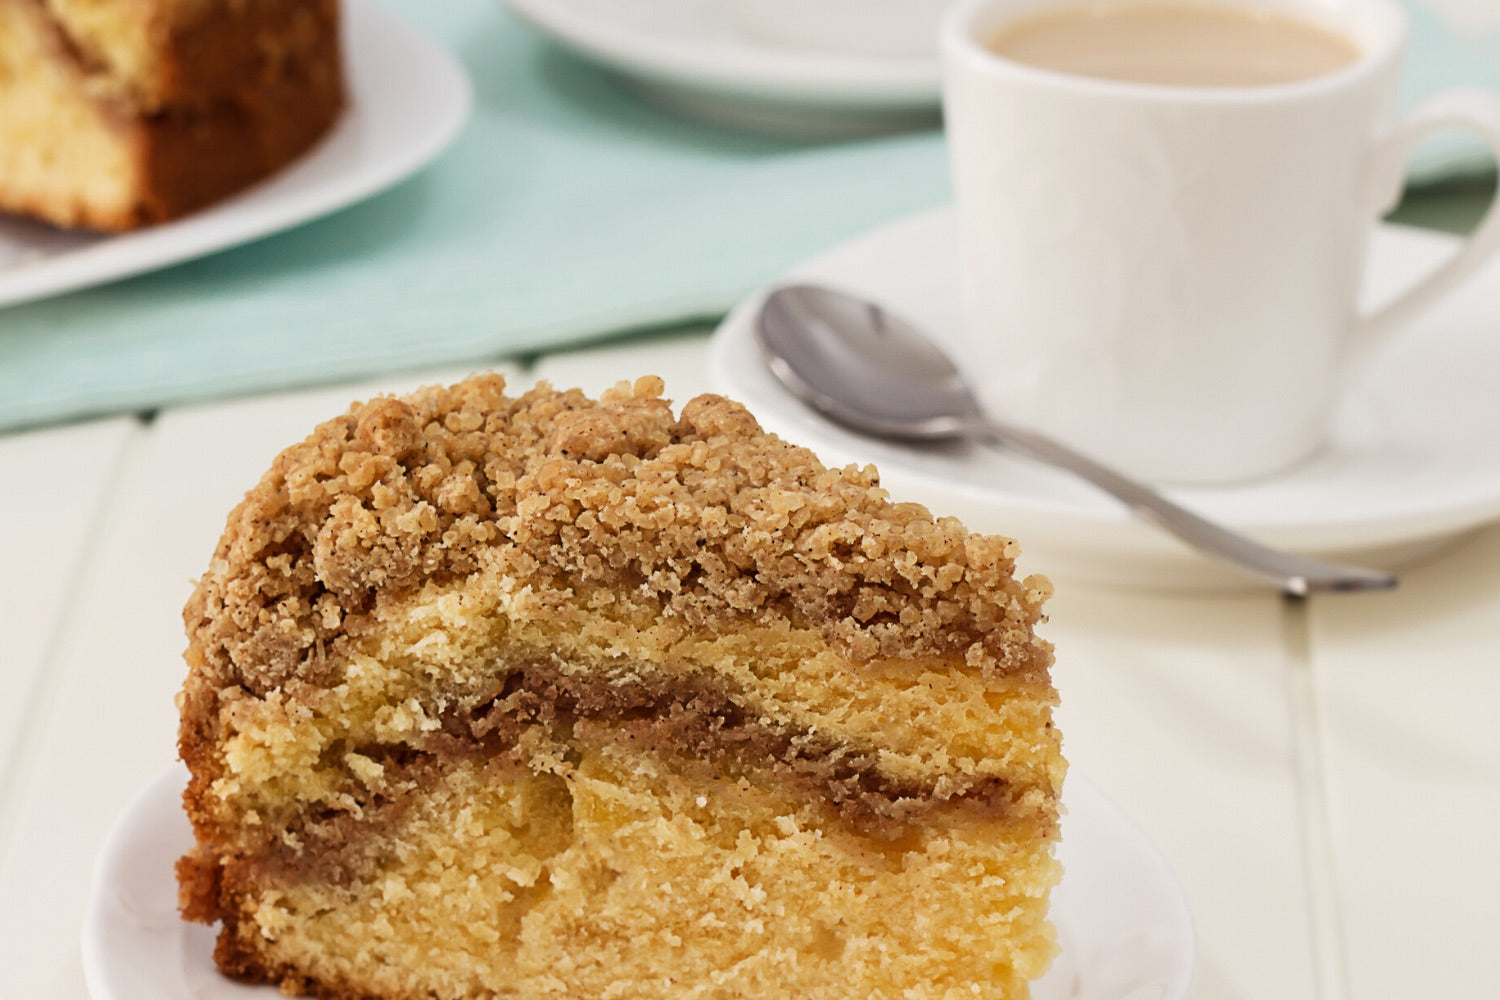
(875, 372)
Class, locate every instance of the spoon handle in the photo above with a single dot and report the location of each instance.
(1295, 574)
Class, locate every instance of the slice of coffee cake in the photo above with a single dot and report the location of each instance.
(116, 114)
(543, 696)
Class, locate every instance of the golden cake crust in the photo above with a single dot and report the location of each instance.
(705, 512)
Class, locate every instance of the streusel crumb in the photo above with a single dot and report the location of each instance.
(701, 513)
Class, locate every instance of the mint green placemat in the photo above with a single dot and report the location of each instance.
(567, 211)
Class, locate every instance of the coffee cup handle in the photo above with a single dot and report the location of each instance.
(1466, 109)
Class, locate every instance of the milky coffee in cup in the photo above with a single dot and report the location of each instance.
(1166, 274)
(1176, 43)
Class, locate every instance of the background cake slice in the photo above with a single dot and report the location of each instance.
(120, 113)
(543, 696)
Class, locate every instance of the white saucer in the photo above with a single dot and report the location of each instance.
(686, 54)
(1414, 459)
(408, 99)
(1120, 913)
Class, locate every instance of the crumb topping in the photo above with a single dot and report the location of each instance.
(700, 515)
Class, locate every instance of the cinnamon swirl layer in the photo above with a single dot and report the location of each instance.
(698, 728)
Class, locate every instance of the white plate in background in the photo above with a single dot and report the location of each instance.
(1121, 916)
(408, 98)
(686, 54)
(1413, 462)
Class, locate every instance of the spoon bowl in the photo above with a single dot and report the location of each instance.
(864, 365)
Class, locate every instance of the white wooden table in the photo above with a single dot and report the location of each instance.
(1324, 777)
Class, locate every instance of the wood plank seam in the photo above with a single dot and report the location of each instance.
(47, 681)
(1325, 917)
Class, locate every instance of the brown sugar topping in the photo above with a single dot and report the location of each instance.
(700, 515)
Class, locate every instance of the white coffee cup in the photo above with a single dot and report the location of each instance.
(852, 27)
(1166, 277)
